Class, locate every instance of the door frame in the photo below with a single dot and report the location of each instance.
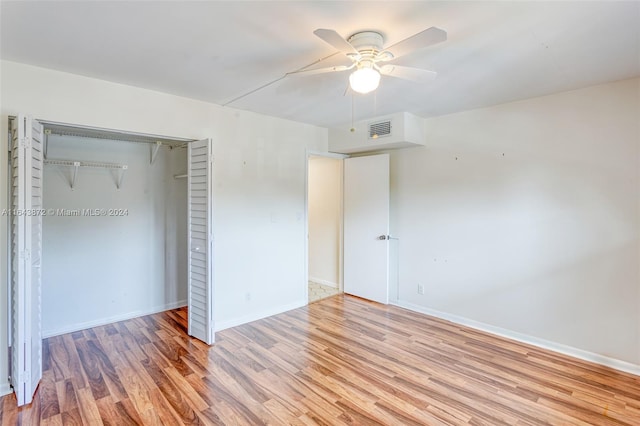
(336, 156)
(6, 121)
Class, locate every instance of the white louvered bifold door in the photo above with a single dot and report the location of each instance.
(26, 253)
(200, 243)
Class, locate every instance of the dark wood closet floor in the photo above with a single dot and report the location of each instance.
(338, 361)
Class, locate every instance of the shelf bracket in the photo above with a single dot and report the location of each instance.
(154, 151)
(74, 173)
(121, 176)
(45, 144)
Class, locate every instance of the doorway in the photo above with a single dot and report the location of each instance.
(133, 231)
(324, 226)
(115, 241)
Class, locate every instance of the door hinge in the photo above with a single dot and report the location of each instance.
(9, 357)
(25, 255)
(24, 142)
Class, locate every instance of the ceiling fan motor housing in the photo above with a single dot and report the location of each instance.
(368, 43)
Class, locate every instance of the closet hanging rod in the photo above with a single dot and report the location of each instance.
(72, 134)
(75, 165)
(64, 129)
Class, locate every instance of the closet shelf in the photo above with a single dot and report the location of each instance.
(74, 163)
(120, 168)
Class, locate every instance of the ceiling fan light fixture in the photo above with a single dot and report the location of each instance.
(364, 80)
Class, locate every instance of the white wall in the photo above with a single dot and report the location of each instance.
(101, 269)
(325, 219)
(526, 217)
(175, 261)
(259, 175)
(259, 198)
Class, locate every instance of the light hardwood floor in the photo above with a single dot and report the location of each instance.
(341, 360)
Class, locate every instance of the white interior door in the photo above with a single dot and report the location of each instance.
(366, 223)
(26, 241)
(200, 243)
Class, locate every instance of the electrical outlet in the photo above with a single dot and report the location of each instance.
(420, 289)
(247, 296)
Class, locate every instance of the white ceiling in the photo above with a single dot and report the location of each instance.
(218, 50)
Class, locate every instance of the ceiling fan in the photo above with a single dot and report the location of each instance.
(369, 59)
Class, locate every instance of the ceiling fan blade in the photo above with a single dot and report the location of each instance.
(423, 39)
(408, 73)
(334, 39)
(321, 70)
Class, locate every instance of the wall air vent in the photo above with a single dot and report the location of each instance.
(379, 129)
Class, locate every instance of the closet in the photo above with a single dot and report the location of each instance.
(107, 225)
(110, 244)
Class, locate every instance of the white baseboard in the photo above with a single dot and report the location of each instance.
(259, 315)
(324, 282)
(109, 320)
(541, 343)
(5, 389)
(219, 325)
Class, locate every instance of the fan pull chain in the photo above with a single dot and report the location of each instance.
(375, 111)
(353, 129)
(375, 103)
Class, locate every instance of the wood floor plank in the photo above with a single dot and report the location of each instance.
(55, 420)
(48, 395)
(339, 361)
(322, 411)
(283, 414)
(219, 411)
(89, 362)
(58, 358)
(172, 393)
(191, 396)
(108, 371)
(8, 411)
(71, 418)
(87, 406)
(109, 413)
(132, 367)
(73, 367)
(138, 391)
(66, 394)
(162, 407)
